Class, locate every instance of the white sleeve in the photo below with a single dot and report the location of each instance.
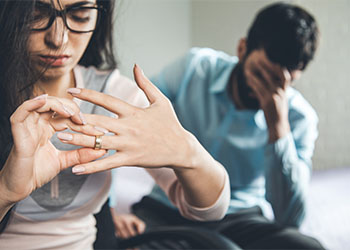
(169, 183)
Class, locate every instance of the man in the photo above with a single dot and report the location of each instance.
(246, 114)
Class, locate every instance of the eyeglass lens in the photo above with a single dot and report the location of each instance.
(80, 19)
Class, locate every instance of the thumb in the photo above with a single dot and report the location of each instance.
(151, 91)
(79, 156)
(140, 226)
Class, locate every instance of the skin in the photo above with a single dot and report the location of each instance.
(58, 40)
(33, 160)
(136, 127)
(269, 82)
(201, 177)
(127, 225)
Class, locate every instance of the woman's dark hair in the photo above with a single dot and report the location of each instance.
(18, 76)
(288, 33)
(99, 52)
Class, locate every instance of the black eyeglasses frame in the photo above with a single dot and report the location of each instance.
(62, 13)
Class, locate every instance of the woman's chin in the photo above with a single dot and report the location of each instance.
(52, 72)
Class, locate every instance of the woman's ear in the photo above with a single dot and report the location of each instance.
(242, 48)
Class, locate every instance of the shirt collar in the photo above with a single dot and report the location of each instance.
(220, 83)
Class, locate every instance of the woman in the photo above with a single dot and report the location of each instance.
(49, 54)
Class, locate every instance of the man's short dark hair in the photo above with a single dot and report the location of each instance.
(287, 33)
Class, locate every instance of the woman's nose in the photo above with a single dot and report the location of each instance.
(57, 35)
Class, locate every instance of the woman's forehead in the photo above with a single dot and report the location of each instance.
(63, 3)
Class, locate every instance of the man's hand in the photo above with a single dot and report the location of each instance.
(127, 225)
(269, 82)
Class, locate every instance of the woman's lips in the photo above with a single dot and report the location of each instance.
(58, 60)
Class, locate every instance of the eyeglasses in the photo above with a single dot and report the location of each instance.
(78, 19)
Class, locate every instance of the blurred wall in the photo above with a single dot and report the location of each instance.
(151, 33)
(155, 32)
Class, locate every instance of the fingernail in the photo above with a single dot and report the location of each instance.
(68, 110)
(137, 66)
(44, 96)
(82, 118)
(65, 136)
(74, 91)
(103, 130)
(78, 169)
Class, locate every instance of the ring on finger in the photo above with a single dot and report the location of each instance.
(54, 114)
(98, 142)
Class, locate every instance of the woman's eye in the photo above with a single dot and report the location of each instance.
(81, 15)
(80, 19)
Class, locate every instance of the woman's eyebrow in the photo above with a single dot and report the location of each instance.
(78, 4)
(42, 4)
(73, 5)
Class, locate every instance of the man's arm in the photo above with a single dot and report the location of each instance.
(291, 138)
(287, 172)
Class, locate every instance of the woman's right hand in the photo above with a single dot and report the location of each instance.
(34, 160)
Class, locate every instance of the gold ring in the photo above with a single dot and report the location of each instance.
(98, 142)
(54, 114)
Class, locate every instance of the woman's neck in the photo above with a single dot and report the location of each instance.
(56, 86)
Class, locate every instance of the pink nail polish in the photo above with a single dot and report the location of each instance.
(65, 136)
(74, 91)
(78, 169)
(82, 118)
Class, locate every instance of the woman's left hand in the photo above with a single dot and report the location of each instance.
(147, 137)
(151, 137)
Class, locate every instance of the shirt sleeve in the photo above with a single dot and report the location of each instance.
(169, 183)
(288, 169)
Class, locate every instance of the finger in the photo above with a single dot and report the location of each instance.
(257, 86)
(65, 110)
(114, 161)
(266, 75)
(79, 156)
(78, 116)
(88, 141)
(23, 111)
(116, 226)
(60, 124)
(110, 123)
(140, 226)
(151, 91)
(131, 229)
(123, 232)
(108, 102)
(119, 228)
(126, 228)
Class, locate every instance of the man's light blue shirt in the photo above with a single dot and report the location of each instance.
(259, 172)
